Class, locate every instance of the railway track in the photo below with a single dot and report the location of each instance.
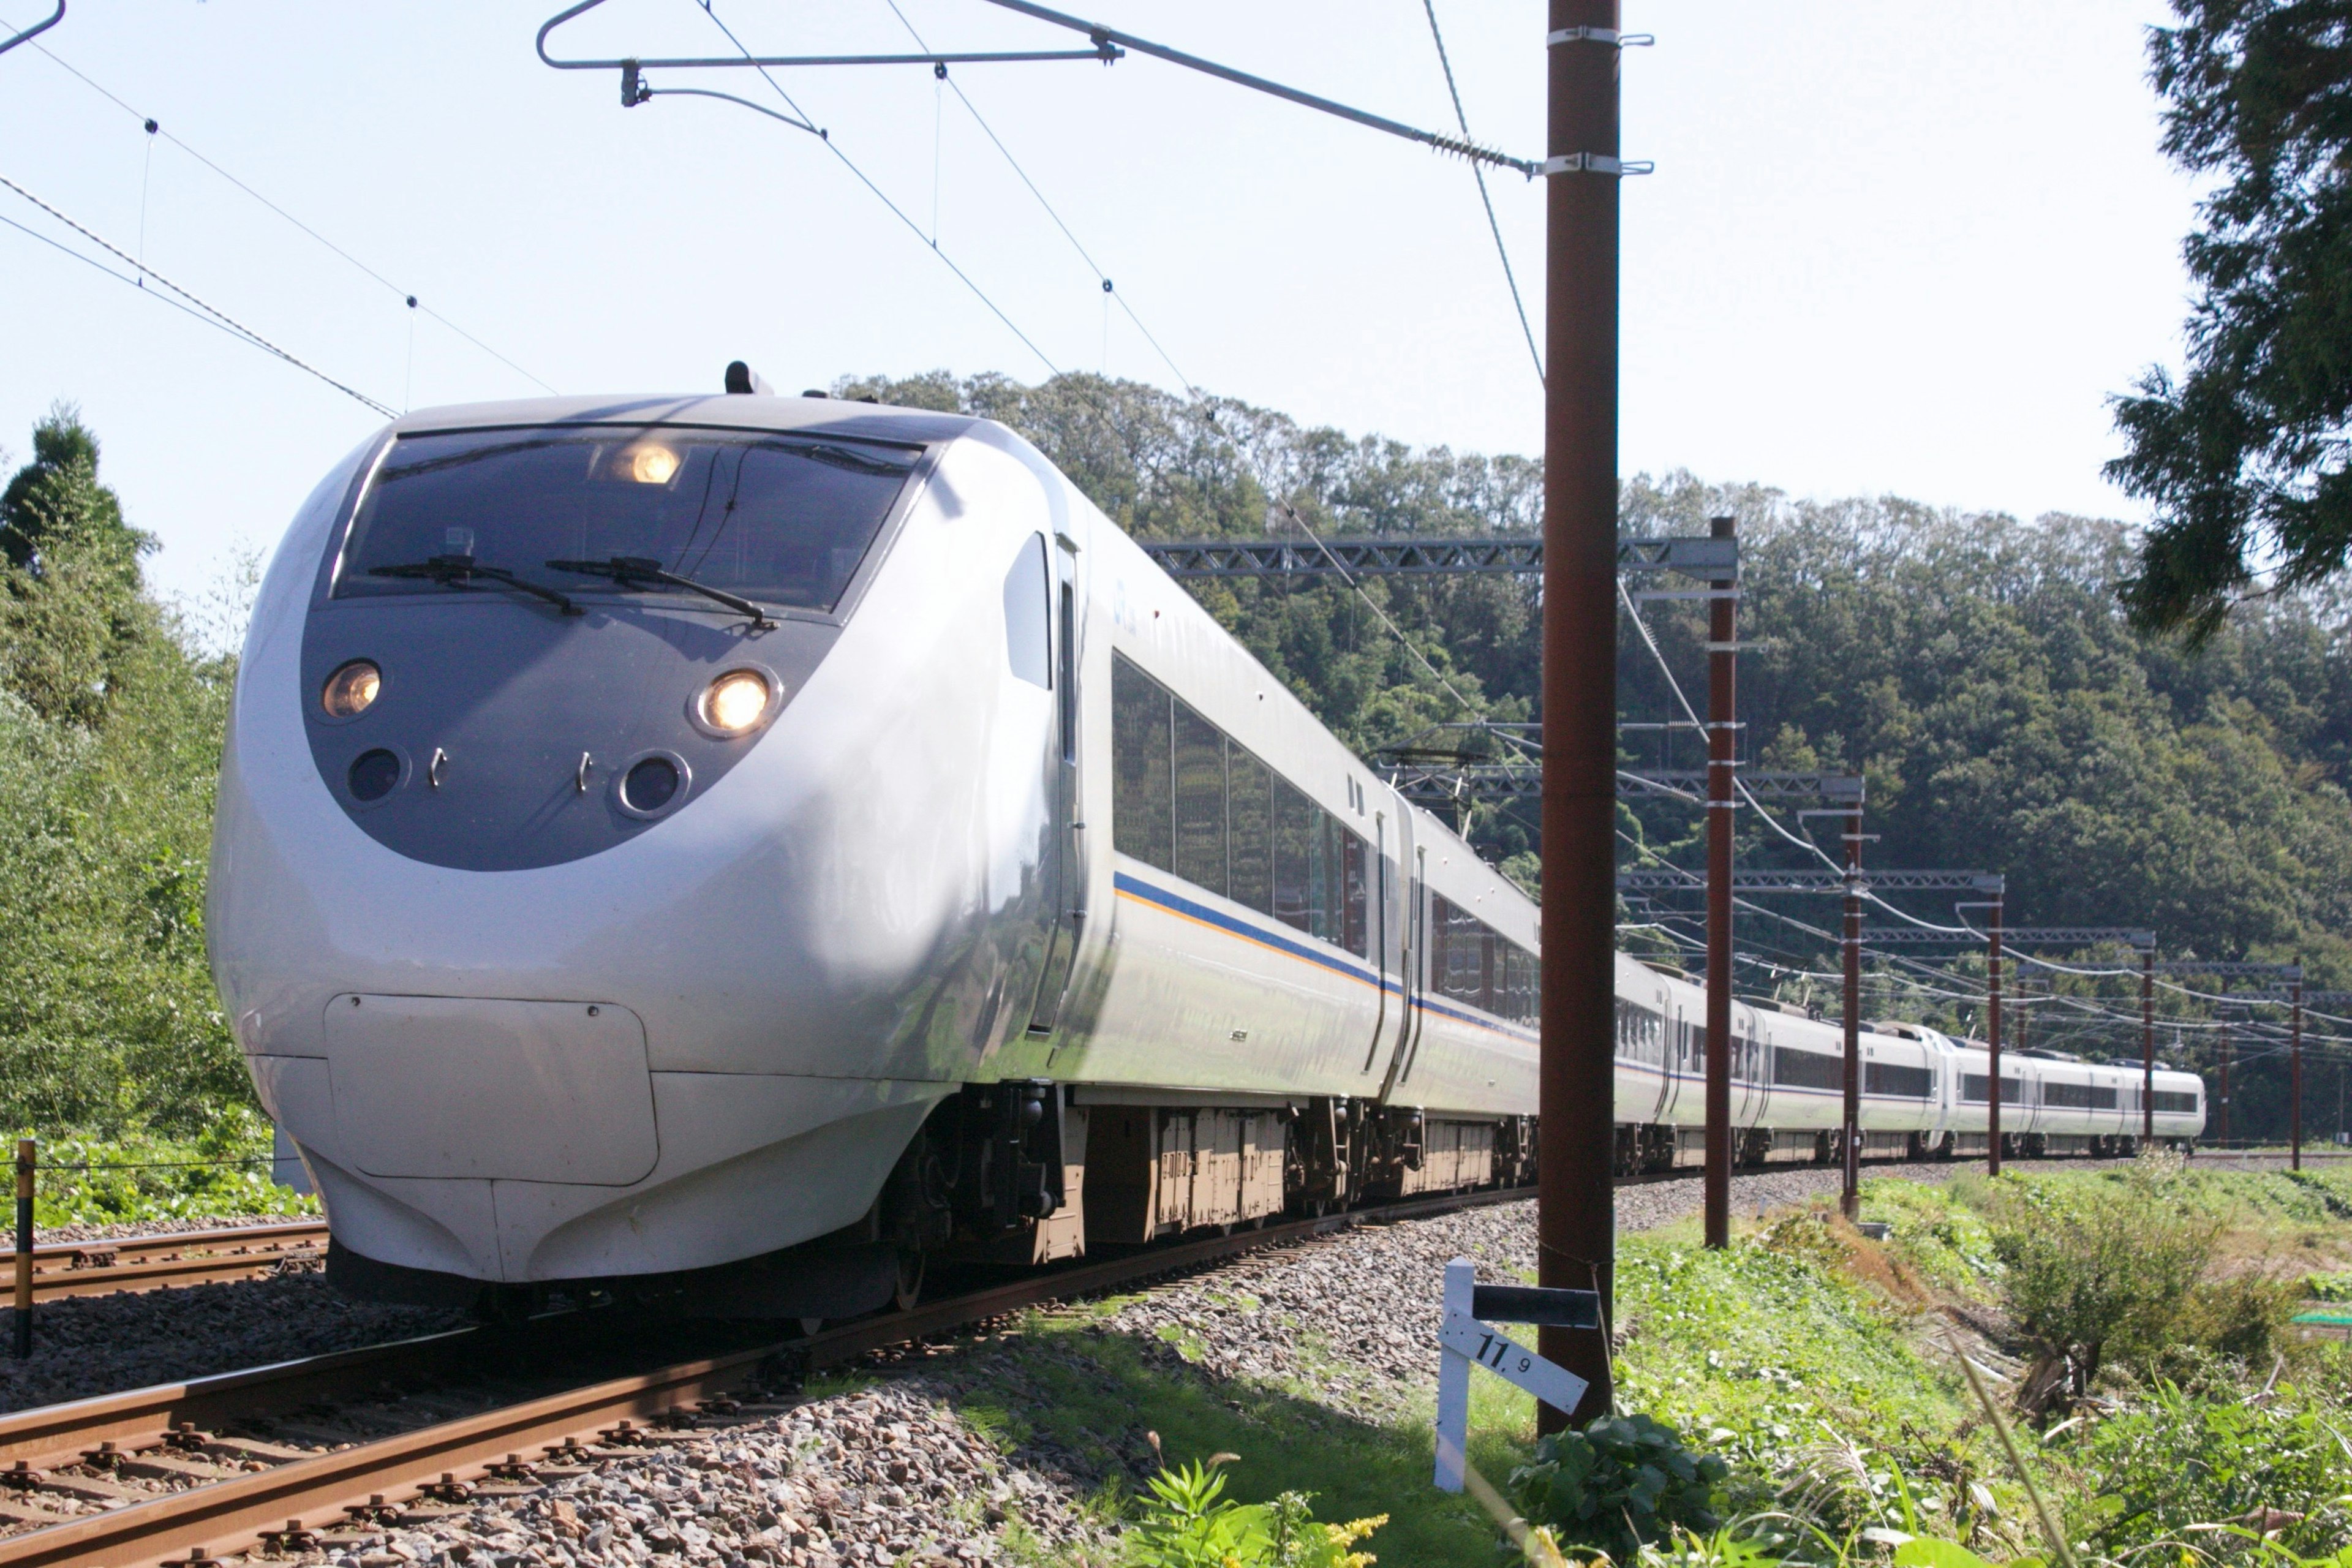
(157, 1475)
(163, 1262)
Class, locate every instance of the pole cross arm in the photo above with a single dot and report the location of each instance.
(2199, 966)
(2015, 936)
(1471, 781)
(1844, 787)
(1103, 36)
(1406, 556)
(1104, 51)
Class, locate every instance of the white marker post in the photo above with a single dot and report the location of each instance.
(1461, 1340)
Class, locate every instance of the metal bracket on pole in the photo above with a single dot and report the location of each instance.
(1609, 35)
(1597, 164)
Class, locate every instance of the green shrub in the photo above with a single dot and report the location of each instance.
(1189, 1522)
(2171, 1464)
(1622, 1481)
(2091, 1268)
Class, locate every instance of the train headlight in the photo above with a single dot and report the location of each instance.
(652, 465)
(736, 701)
(351, 689)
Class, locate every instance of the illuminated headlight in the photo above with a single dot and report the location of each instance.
(736, 701)
(652, 465)
(351, 689)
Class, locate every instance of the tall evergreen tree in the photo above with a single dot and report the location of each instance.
(2245, 456)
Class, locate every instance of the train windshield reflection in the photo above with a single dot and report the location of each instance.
(773, 519)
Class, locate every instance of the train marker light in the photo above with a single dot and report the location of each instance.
(351, 689)
(736, 701)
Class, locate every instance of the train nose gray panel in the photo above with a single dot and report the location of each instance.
(461, 1087)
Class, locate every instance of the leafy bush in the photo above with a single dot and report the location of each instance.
(1622, 1481)
(2172, 1464)
(221, 1174)
(2096, 1267)
(2337, 1286)
(1189, 1522)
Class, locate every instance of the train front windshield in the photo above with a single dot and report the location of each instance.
(779, 520)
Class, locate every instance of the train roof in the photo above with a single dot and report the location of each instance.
(743, 411)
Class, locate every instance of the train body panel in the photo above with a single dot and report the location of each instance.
(559, 962)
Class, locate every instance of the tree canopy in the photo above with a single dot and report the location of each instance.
(2243, 454)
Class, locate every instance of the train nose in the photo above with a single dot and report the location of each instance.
(442, 1086)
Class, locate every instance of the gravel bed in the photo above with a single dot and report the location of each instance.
(885, 1474)
(84, 1345)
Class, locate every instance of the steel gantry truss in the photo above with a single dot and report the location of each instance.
(1706, 560)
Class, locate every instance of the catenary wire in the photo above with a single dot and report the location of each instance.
(369, 271)
(92, 261)
(228, 322)
(1681, 701)
(1478, 172)
(896, 211)
(1092, 265)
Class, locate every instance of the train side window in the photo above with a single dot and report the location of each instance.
(1251, 813)
(1323, 875)
(1200, 849)
(1897, 1079)
(1142, 795)
(1295, 860)
(1028, 610)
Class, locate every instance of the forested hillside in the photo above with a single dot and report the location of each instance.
(1976, 668)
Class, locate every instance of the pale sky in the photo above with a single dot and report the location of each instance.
(1888, 248)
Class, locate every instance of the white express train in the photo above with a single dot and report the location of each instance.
(727, 851)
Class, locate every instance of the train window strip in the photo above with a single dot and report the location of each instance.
(1897, 1081)
(1188, 799)
(1806, 1069)
(1472, 963)
(2178, 1101)
(1973, 1086)
(2079, 1096)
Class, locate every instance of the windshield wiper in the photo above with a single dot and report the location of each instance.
(856, 462)
(628, 570)
(457, 571)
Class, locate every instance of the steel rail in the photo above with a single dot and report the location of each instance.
(156, 1262)
(323, 1489)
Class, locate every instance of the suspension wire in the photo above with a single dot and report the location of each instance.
(1649, 642)
(1346, 576)
(147, 122)
(1093, 266)
(1478, 172)
(228, 322)
(896, 210)
(128, 279)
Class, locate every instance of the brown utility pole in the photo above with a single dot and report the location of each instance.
(1849, 1186)
(1577, 1136)
(1722, 733)
(2147, 1049)
(2295, 1079)
(1993, 1036)
(2225, 1077)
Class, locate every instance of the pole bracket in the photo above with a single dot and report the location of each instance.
(1597, 164)
(1609, 35)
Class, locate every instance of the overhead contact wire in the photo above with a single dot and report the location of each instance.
(369, 271)
(1478, 172)
(896, 211)
(239, 328)
(1092, 265)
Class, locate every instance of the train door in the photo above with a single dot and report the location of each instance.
(1412, 969)
(1396, 1027)
(1066, 866)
